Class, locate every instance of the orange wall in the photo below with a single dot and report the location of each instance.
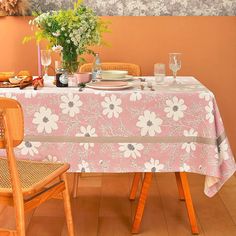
(208, 45)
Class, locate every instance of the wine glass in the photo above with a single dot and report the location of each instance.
(46, 61)
(174, 63)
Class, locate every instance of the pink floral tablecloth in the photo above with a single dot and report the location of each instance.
(177, 127)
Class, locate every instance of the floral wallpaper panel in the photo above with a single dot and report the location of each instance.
(147, 7)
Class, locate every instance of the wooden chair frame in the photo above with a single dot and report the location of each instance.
(184, 195)
(23, 202)
(133, 69)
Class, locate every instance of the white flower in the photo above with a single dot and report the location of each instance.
(184, 168)
(56, 34)
(189, 145)
(135, 96)
(207, 95)
(111, 106)
(131, 149)
(84, 167)
(70, 104)
(57, 48)
(222, 151)
(30, 94)
(153, 166)
(87, 132)
(101, 93)
(27, 147)
(45, 120)
(175, 108)
(8, 95)
(149, 123)
(51, 158)
(210, 112)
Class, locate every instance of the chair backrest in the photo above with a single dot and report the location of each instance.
(132, 69)
(15, 123)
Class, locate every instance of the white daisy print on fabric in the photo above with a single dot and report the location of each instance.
(8, 95)
(149, 123)
(29, 148)
(135, 96)
(184, 168)
(84, 166)
(87, 132)
(189, 145)
(153, 166)
(207, 95)
(175, 108)
(70, 104)
(51, 158)
(222, 151)
(101, 93)
(45, 120)
(111, 106)
(131, 149)
(30, 94)
(210, 112)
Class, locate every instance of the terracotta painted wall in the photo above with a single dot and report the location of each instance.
(208, 45)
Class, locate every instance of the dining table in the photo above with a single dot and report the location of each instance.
(171, 126)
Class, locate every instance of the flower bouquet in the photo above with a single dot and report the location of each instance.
(71, 32)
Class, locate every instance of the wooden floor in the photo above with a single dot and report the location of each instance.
(103, 209)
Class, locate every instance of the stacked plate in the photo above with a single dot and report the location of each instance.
(109, 85)
(115, 75)
(112, 80)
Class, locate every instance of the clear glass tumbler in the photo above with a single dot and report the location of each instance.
(159, 72)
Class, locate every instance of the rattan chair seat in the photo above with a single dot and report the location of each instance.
(32, 174)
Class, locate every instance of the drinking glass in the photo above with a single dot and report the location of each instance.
(46, 61)
(175, 63)
(159, 72)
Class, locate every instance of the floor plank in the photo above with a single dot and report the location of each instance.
(153, 218)
(213, 216)
(115, 208)
(228, 196)
(174, 210)
(102, 208)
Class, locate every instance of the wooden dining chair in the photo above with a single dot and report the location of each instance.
(132, 69)
(26, 184)
(184, 195)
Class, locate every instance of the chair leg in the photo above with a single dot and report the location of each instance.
(141, 203)
(188, 202)
(19, 215)
(180, 186)
(67, 206)
(75, 184)
(134, 187)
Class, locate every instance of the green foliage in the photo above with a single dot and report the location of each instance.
(74, 30)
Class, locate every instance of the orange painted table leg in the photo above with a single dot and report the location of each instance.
(141, 203)
(180, 186)
(188, 202)
(134, 187)
(75, 185)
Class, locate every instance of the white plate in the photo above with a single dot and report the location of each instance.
(126, 78)
(114, 74)
(93, 86)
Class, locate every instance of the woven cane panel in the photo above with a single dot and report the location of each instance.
(1, 127)
(30, 173)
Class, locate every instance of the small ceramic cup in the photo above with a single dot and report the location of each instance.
(83, 78)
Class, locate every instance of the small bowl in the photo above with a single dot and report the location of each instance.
(114, 74)
(83, 78)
